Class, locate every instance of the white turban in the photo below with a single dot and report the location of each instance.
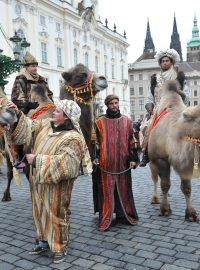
(171, 53)
(72, 110)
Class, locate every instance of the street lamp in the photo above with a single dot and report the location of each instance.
(9, 66)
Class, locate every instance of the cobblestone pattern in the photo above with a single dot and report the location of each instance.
(166, 243)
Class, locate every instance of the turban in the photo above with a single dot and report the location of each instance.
(171, 53)
(29, 60)
(109, 98)
(72, 110)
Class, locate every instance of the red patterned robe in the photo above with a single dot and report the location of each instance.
(116, 147)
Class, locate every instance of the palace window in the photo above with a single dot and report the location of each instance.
(141, 104)
(44, 52)
(75, 56)
(86, 59)
(59, 56)
(132, 91)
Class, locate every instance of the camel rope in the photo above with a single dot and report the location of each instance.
(15, 171)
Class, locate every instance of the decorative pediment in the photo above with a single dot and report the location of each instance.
(44, 34)
(21, 21)
(76, 44)
(86, 47)
(59, 40)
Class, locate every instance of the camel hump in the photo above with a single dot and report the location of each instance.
(171, 85)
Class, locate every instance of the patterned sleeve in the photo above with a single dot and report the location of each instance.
(62, 166)
(23, 131)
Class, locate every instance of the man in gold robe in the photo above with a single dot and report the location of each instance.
(58, 148)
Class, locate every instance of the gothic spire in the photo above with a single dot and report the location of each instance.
(175, 40)
(149, 46)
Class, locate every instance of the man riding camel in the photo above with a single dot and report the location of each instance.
(166, 60)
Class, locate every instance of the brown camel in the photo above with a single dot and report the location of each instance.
(172, 144)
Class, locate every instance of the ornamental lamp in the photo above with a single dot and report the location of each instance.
(7, 64)
(16, 45)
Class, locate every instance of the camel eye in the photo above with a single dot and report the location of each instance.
(82, 75)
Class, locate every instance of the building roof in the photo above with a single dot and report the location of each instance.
(189, 66)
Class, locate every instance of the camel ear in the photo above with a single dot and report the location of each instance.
(189, 113)
(67, 76)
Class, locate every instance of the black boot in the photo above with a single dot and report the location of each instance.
(144, 161)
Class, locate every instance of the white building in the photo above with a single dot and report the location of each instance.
(65, 33)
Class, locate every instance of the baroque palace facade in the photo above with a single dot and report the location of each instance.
(63, 34)
(141, 70)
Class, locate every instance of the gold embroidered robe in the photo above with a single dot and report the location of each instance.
(58, 158)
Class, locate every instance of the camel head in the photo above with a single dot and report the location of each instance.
(7, 115)
(189, 122)
(81, 84)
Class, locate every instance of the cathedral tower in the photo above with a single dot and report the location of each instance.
(175, 40)
(149, 48)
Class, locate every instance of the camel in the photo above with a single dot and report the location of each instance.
(172, 145)
(81, 85)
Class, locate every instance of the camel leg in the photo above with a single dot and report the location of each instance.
(154, 175)
(190, 212)
(164, 173)
(6, 196)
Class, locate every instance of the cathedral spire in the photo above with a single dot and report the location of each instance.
(149, 49)
(175, 40)
(149, 46)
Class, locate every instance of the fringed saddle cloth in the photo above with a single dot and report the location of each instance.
(196, 169)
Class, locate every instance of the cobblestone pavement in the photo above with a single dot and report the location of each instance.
(155, 243)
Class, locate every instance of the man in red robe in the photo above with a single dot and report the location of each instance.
(115, 156)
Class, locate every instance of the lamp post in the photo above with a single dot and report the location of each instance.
(7, 64)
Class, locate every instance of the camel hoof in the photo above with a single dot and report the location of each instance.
(155, 200)
(165, 212)
(6, 198)
(191, 215)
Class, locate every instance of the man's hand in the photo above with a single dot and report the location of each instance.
(96, 161)
(133, 164)
(30, 158)
(11, 105)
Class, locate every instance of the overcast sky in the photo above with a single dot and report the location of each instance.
(131, 16)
